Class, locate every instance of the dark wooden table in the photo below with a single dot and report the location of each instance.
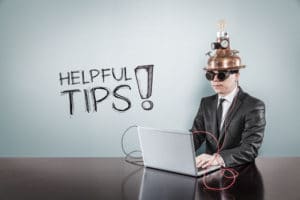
(113, 178)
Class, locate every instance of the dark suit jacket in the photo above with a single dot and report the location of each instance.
(242, 132)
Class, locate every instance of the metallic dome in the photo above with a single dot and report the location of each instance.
(223, 58)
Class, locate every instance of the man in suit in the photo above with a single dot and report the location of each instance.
(231, 122)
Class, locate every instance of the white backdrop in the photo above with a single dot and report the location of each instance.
(40, 39)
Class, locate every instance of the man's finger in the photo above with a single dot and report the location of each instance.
(207, 164)
(202, 162)
(203, 156)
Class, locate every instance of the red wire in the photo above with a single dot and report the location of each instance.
(223, 170)
(234, 173)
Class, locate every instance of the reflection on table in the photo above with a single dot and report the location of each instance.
(157, 184)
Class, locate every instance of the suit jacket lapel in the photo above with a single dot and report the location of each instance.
(213, 109)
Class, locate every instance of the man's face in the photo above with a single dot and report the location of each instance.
(224, 87)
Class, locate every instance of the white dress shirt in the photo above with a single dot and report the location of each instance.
(227, 103)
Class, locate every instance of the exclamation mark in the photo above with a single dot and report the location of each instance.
(144, 78)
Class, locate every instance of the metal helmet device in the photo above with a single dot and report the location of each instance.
(223, 57)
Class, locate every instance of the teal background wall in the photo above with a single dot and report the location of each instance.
(39, 39)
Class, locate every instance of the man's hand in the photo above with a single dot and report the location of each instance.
(205, 160)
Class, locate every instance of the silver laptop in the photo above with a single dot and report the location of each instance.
(170, 150)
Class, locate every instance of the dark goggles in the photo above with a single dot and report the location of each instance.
(221, 75)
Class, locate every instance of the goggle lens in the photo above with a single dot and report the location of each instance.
(221, 75)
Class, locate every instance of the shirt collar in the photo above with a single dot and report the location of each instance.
(230, 96)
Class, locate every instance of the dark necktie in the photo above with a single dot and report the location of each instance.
(219, 115)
